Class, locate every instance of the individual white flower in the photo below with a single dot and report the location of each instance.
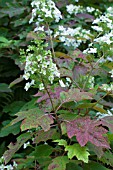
(97, 28)
(15, 164)
(68, 79)
(26, 145)
(92, 50)
(41, 86)
(109, 58)
(62, 83)
(39, 29)
(27, 86)
(90, 9)
(26, 76)
(70, 8)
(62, 38)
(111, 72)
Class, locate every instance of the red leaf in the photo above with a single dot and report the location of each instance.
(86, 130)
(108, 122)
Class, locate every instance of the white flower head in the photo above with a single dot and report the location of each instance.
(26, 145)
(62, 83)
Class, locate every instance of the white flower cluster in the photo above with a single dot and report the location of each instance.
(106, 38)
(39, 64)
(44, 11)
(7, 167)
(107, 87)
(104, 23)
(75, 9)
(72, 36)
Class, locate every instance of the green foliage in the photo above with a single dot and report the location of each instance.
(80, 152)
(58, 163)
(56, 90)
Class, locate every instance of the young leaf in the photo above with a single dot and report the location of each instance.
(61, 142)
(86, 130)
(80, 152)
(59, 163)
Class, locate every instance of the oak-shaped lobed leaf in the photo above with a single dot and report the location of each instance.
(87, 130)
(44, 97)
(55, 94)
(33, 118)
(80, 152)
(75, 94)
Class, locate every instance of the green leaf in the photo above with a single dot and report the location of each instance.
(94, 166)
(44, 136)
(80, 152)
(15, 147)
(13, 108)
(99, 109)
(73, 166)
(13, 10)
(59, 163)
(61, 142)
(68, 116)
(4, 40)
(63, 128)
(14, 129)
(4, 88)
(42, 151)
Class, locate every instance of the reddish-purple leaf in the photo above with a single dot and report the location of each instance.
(44, 98)
(108, 122)
(86, 130)
(75, 94)
(44, 136)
